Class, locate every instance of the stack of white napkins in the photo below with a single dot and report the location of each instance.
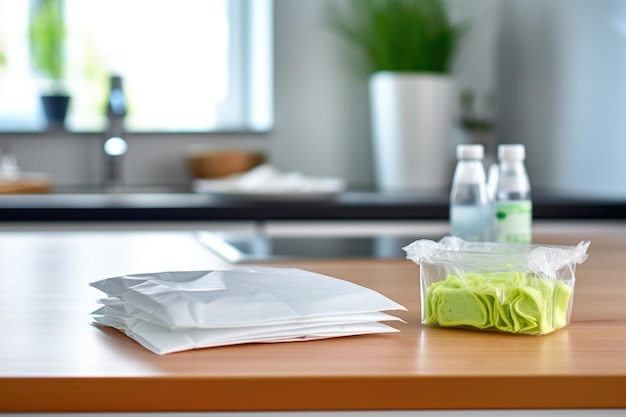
(173, 311)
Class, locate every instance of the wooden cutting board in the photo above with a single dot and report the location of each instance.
(25, 186)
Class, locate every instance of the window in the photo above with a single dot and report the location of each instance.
(186, 65)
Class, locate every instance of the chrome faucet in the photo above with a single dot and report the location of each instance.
(115, 146)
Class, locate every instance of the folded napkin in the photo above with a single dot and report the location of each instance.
(267, 179)
(173, 311)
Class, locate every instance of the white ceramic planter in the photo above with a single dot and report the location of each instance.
(412, 120)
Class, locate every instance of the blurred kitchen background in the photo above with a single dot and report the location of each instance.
(544, 73)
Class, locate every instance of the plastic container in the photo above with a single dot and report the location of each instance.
(471, 213)
(510, 288)
(514, 205)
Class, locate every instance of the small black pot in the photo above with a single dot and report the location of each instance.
(55, 108)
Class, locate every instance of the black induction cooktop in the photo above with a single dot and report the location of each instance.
(248, 247)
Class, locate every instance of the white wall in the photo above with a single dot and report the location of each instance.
(563, 92)
(322, 124)
(321, 109)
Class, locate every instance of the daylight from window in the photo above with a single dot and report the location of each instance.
(182, 64)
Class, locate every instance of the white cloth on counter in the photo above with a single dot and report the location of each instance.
(173, 311)
(266, 179)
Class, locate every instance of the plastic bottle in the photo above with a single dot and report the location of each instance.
(514, 205)
(471, 213)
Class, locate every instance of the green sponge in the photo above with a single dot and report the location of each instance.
(562, 295)
(526, 303)
(512, 302)
(461, 306)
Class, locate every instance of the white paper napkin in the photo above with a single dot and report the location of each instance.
(162, 340)
(173, 311)
(267, 179)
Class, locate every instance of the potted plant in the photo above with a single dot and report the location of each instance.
(47, 35)
(407, 49)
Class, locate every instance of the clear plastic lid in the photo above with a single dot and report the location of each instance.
(511, 153)
(470, 152)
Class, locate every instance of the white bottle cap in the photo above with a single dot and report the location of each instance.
(511, 152)
(470, 152)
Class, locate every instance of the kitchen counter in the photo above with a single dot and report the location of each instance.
(183, 206)
(52, 359)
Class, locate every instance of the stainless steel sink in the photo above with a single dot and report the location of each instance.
(125, 189)
(93, 196)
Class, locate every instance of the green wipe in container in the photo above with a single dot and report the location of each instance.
(520, 306)
(512, 288)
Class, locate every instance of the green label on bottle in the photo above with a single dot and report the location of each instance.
(514, 221)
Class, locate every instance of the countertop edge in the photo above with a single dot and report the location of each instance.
(324, 393)
(196, 207)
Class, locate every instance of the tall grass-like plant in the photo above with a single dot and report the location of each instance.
(47, 36)
(398, 35)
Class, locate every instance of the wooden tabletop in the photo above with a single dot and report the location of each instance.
(53, 359)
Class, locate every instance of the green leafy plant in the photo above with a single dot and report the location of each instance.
(47, 36)
(398, 35)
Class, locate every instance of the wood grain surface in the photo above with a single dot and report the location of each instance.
(53, 359)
